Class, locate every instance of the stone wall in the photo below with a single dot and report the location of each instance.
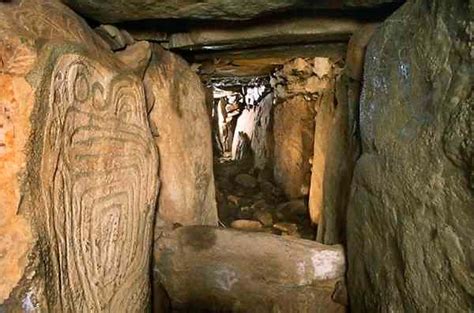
(410, 220)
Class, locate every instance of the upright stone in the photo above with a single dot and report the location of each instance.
(182, 131)
(410, 220)
(293, 128)
(337, 143)
(80, 168)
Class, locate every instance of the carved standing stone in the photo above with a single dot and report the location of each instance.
(99, 186)
(82, 168)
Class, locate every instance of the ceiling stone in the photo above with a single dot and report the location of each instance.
(290, 31)
(134, 10)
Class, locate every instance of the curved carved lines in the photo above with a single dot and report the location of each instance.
(51, 21)
(103, 186)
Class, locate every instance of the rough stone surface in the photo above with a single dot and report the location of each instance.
(78, 168)
(283, 31)
(262, 141)
(293, 126)
(410, 219)
(371, 3)
(121, 10)
(232, 271)
(293, 132)
(112, 35)
(182, 131)
(337, 143)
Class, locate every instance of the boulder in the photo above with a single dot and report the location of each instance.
(218, 270)
(246, 180)
(78, 167)
(182, 131)
(410, 220)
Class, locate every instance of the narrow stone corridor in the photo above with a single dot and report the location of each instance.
(247, 156)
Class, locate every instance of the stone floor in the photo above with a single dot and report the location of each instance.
(248, 200)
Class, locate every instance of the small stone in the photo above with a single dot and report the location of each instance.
(289, 228)
(233, 199)
(248, 225)
(246, 180)
(112, 36)
(264, 217)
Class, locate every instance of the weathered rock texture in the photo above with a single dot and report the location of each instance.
(182, 131)
(233, 271)
(262, 141)
(118, 11)
(283, 31)
(329, 155)
(293, 125)
(410, 220)
(336, 142)
(80, 168)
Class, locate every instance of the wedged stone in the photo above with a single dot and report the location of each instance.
(410, 220)
(182, 132)
(137, 56)
(78, 168)
(225, 270)
(127, 37)
(112, 36)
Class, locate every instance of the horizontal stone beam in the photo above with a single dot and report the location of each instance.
(302, 30)
(226, 270)
(261, 61)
